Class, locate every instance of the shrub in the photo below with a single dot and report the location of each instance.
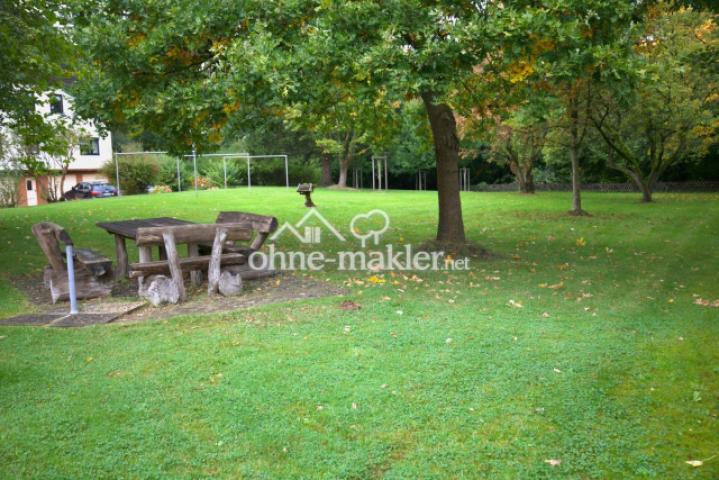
(161, 189)
(213, 170)
(136, 172)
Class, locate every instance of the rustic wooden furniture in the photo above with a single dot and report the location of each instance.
(125, 229)
(306, 189)
(262, 225)
(93, 271)
(170, 236)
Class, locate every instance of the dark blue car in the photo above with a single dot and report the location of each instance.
(91, 190)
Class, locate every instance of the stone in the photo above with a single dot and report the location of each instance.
(230, 283)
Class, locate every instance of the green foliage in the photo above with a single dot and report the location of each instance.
(666, 111)
(137, 172)
(214, 170)
(167, 172)
(37, 56)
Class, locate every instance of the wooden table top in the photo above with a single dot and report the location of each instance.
(128, 228)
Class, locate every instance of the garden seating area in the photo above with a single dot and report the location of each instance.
(211, 250)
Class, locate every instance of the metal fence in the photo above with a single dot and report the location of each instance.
(198, 171)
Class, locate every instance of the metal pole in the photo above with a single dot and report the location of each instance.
(117, 175)
(287, 173)
(179, 180)
(194, 166)
(71, 280)
(224, 166)
(249, 174)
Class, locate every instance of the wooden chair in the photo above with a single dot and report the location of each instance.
(93, 271)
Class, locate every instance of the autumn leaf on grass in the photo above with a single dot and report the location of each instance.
(706, 303)
(349, 305)
(553, 462)
(581, 242)
(554, 286)
(514, 304)
(376, 280)
(699, 463)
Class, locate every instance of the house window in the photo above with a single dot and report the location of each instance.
(28, 185)
(90, 146)
(56, 105)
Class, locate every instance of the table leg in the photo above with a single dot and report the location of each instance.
(123, 264)
(145, 256)
(193, 250)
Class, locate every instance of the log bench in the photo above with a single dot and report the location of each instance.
(93, 270)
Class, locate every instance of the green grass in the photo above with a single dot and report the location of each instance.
(620, 378)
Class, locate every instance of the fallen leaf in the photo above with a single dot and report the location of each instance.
(349, 305)
(514, 304)
(695, 463)
(553, 462)
(581, 242)
(376, 280)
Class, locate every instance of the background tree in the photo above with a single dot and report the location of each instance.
(190, 73)
(665, 113)
(37, 56)
(518, 142)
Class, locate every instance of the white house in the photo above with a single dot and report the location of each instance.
(89, 156)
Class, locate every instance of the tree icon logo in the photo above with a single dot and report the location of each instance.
(374, 234)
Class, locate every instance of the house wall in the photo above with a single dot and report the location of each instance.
(89, 129)
(82, 168)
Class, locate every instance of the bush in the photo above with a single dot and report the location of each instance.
(161, 189)
(136, 173)
(214, 171)
(168, 173)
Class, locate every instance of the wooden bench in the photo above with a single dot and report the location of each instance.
(169, 237)
(93, 271)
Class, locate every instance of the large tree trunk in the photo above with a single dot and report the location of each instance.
(450, 228)
(326, 163)
(523, 174)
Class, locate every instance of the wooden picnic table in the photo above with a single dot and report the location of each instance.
(125, 229)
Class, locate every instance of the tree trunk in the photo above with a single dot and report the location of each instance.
(646, 194)
(574, 160)
(344, 166)
(450, 228)
(326, 177)
(576, 184)
(524, 177)
(345, 158)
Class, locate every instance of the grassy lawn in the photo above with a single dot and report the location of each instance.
(614, 370)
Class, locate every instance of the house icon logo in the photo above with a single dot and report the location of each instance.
(311, 234)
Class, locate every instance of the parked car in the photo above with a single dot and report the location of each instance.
(91, 190)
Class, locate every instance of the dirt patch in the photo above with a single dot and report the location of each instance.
(281, 288)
